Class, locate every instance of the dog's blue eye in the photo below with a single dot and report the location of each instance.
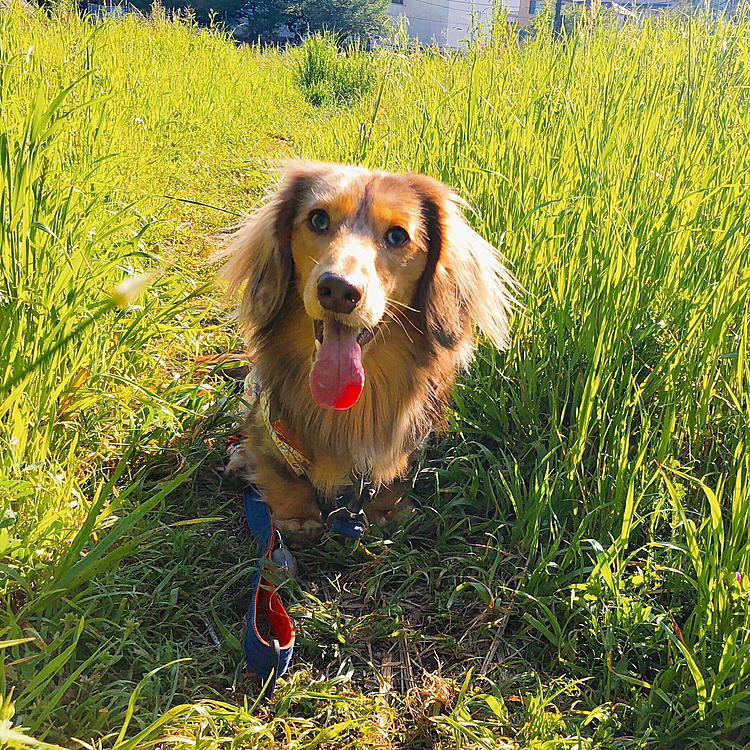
(396, 236)
(319, 220)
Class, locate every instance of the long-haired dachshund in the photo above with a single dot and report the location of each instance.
(361, 291)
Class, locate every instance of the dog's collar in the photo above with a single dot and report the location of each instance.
(283, 438)
(281, 435)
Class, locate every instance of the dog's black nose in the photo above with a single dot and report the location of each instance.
(337, 294)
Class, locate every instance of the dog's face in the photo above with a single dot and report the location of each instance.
(359, 251)
(358, 245)
(360, 248)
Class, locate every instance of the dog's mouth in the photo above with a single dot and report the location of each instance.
(337, 376)
(364, 335)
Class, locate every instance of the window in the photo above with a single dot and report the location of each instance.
(534, 6)
(397, 2)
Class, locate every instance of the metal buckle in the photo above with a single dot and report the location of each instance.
(349, 519)
(282, 557)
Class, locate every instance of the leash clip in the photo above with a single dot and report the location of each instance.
(282, 556)
(349, 518)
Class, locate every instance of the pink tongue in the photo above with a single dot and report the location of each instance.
(337, 377)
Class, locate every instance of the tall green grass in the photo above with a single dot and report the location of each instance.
(87, 389)
(619, 421)
(618, 424)
(579, 573)
(327, 74)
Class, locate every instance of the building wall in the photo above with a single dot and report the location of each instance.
(448, 22)
(461, 16)
(427, 19)
(524, 13)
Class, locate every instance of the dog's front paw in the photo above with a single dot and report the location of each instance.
(239, 464)
(300, 528)
(399, 511)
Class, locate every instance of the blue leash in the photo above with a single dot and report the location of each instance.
(270, 660)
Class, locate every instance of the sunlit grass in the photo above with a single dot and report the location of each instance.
(326, 74)
(578, 575)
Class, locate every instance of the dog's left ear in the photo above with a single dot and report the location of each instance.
(464, 279)
(259, 252)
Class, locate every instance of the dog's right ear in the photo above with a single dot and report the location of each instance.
(259, 253)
